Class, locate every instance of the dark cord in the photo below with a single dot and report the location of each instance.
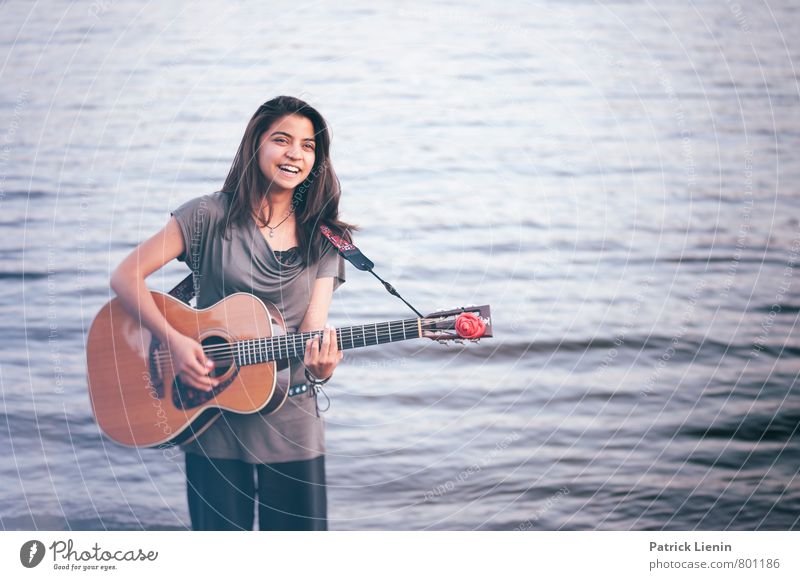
(393, 292)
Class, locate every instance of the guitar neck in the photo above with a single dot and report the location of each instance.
(261, 350)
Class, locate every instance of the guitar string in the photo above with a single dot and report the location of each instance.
(161, 360)
(284, 342)
(341, 332)
(232, 356)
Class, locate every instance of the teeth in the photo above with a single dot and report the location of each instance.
(289, 168)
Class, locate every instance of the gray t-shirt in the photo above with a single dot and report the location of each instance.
(246, 263)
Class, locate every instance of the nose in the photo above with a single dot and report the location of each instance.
(293, 153)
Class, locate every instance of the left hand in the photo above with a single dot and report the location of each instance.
(321, 358)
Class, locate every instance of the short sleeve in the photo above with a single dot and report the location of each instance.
(197, 218)
(331, 264)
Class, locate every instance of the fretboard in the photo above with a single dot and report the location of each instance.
(261, 350)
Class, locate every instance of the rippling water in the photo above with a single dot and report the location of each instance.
(619, 182)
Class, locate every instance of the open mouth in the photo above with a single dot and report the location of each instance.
(289, 170)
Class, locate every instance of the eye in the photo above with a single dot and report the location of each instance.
(309, 146)
(281, 140)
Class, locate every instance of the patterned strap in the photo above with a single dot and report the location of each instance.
(348, 251)
(185, 290)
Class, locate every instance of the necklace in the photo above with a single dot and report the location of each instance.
(272, 229)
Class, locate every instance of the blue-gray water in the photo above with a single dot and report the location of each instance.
(619, 181)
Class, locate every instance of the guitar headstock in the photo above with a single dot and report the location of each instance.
(458, 324)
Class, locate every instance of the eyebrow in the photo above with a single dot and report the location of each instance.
(289, 135)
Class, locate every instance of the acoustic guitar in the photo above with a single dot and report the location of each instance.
(139, 401)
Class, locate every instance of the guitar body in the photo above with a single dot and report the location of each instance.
(136, 397)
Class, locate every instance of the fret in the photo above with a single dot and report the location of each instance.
(288, 345)
(239, 353)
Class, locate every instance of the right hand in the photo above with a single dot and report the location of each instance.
(190, 362)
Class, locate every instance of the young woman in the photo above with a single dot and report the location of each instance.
(259, 234)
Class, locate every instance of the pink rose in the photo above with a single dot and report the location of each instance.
(468, 325)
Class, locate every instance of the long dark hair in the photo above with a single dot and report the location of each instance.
(316, 200)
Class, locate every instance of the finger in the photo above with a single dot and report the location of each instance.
(334, 345)
(326, 341)
(202, 383)
(201, 357)
(312, 351)
(197, 368)
(201, 374)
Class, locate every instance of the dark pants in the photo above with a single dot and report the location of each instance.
(223, 494)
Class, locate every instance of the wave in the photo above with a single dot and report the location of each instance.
(662, 343)
(782, 426)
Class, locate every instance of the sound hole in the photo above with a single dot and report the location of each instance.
(220, 351)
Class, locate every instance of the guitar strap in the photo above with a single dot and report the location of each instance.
(348, 251)
(185, 290)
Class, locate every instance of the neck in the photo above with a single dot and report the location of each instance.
(260, 350)
(281, 202)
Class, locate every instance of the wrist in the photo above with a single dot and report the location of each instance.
(311, 378)
(167, 334)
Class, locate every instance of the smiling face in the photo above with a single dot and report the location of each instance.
(286, 153)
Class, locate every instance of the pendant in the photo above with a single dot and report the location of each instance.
(271, 233)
